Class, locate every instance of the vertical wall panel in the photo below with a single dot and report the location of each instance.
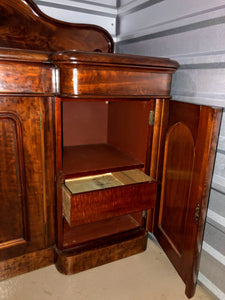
(101, 13)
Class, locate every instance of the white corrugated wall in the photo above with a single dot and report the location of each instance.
(97, 12)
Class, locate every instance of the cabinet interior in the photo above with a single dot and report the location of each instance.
(100, 230)
(102, 136)
(99, 139)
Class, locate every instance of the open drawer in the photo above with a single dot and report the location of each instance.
(92, 198)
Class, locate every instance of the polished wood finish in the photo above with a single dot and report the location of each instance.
(24, 55)
(187, 148)
(110, 75)
(48, 163)
(24, 26)
(27, 221)
(30, 75)
(179, 144)
(102, 77)
(205, 154)
(121, 246)
(151, 63)
(135, 193)
(12, 183)
(155, 166)
(22, 173)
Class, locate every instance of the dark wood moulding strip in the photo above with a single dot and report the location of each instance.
(113, 59)
(106, 97)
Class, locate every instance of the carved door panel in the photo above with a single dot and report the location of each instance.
(21, 177)
(184, 143)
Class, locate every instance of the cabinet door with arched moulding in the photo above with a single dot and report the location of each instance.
(23, 184)
(184, 143)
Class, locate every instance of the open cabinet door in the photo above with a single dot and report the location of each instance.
(184, 144)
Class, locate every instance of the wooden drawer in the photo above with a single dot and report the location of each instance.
(92, 198)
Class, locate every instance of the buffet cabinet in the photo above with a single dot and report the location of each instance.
(94, 153)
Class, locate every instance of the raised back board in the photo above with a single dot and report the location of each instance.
(24, 26)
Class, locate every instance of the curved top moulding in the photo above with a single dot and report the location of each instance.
(24, 26)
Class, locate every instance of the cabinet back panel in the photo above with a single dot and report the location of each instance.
(128, 128)
(84, 123)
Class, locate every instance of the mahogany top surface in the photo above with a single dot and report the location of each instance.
(86, 57)
(112, 58)
(24, 26)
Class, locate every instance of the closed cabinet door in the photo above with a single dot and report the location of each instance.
(184, 143)
(21, 177)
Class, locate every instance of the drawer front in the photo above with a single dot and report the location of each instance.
(101, 204)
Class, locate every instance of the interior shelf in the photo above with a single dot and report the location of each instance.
(95, 158)
(74, 236)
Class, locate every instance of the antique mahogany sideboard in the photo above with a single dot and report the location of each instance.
(93, 152)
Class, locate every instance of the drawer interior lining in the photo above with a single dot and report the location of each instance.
(103, 181)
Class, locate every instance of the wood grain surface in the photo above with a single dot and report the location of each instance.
(24, 26)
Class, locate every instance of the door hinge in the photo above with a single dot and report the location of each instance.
(144, 214)
(151, 117)
(197, 212)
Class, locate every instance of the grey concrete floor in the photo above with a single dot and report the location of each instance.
(145, 276)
